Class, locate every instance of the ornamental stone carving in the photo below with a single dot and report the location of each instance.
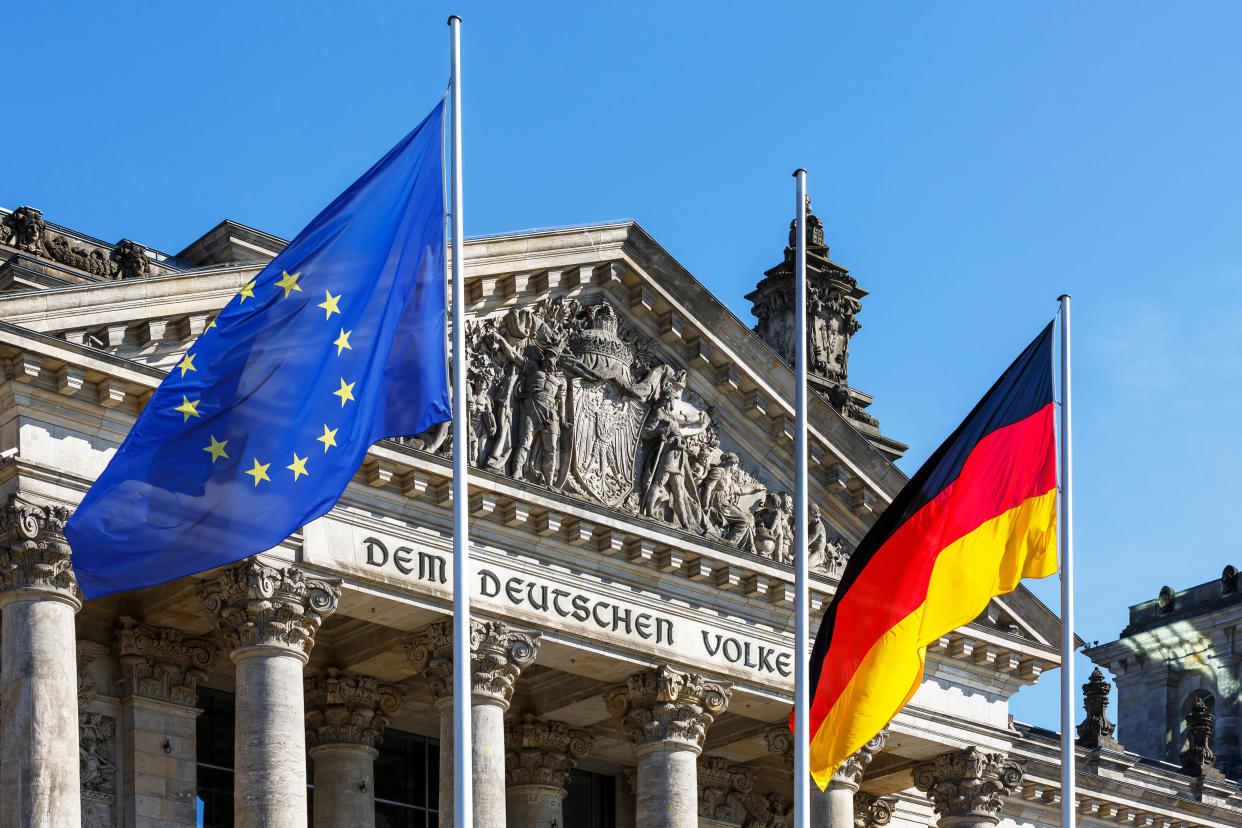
(779, 739)
(23, 228)
(34, 554)
(348, 709)
(665, 709)
(768, 811)
(723, 789)
(1198, 758)
(96, 737)
(1096, 730)
(543, 753)
(26, 230)
(257, 605)
(826, 553)
(498, 654)
(161, 663)
(966, 786)
(851, 772)
(871, 811)
(130, 260)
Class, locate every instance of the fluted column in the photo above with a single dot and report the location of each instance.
(160, 672)
(345, 720)
(834, 806)
(269, 617)
(498, 654)
(538, 758)
(967, 786)
(39, 777)
(666, 713)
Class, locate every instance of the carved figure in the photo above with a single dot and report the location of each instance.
(482, 415)
(824, 554)
(772, 532)
(668, 466)
(541, 397)
(722, 487)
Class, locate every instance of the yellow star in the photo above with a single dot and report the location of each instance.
(210, 324)
(259, 472)
(188, 408)
(346, 393)
(288, 282)
(247, 292)
(342, 342)
(329, 437)
(217, 449)
(329, 304)
(298, 466)
(187, 364)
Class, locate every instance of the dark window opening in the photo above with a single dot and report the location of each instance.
(591, 801)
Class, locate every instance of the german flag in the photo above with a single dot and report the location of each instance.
(977, 517)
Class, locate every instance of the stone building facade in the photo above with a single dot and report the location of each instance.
(631, 521)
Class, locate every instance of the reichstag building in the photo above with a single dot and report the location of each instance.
(632, 663)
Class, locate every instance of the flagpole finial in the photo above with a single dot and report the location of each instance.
(453, 17)
(799, 170)
(1063, 296)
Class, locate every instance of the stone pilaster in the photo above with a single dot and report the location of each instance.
(539, 756)
(967, 786)
(269, 617)
(666, 713)
(39, 770)
(160, 672)
(498, 654)
(345, 720)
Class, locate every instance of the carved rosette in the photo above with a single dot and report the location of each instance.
(850, 774)
(261, 606)
(348, 709)
(34, 554)
(498, 654)
(665, 709)
(780, 744)
(967, 785)
(542, 753)
(871, 811)
(723, 789)
(161, 663)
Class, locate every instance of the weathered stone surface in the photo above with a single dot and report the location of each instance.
(966, 786)
(539, 757)
(161, 663)
(350, 709)
(871, 811)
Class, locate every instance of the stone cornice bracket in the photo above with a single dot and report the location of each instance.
(161, 663)
(498, 654)
(34, 555)
(967, 785)
(871, 811)
(540, 752)
(850, 774)
(665, 709)
(348, 709)
(261, 606)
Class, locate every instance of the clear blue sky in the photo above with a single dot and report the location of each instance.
(971, 162)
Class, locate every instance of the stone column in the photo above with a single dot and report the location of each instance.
(269, 617)
(160, 672)
(39, 777)
(538, 758)
(498, 654)
(666, 714)
(966, 786)
(345, 719)
(834, 806)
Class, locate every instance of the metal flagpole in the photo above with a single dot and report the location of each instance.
(1066, 544)
(802, 718)
(463, 797)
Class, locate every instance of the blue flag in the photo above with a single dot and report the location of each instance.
(338, 342)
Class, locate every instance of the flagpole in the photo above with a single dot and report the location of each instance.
(802, 719)
(1066, 544)
(463, 795)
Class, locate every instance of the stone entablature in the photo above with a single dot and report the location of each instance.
(162, 663)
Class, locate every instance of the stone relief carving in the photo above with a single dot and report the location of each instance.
(772, 810)
(26, 230)
(723, 789)
(852, 769)
(1198, 759)
(96, 734)
(663, 707)
(162, 663)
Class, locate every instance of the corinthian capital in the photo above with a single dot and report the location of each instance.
(664, 709)
(34, 554)
(161, 663)
(967, 785)
(261, 606)
(539, 752)
(348, 709)
(498, 654)
(852, 769)
(871, 811)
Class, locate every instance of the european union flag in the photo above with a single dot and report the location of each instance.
(338, 342)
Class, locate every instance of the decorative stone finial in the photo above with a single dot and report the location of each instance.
(348, 709)
(34, 554)
(665, 709)
(1198, 758)
(261, 606)
(967, 785)
(1096, 730)
(161, 663)
(871, 811)
(543, 753)
(498, 654)
(850, 774)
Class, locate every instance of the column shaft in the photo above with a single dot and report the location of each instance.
(269, 773)
(668, 793)
(832, 807)
(487, 721)
(344, 786)
(535, 806)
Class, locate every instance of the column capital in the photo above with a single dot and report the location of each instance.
(262, 606)
(850, 774)
(871, 811)
(967, 785)
(779, 739)
(498, 654)
(723, 789)
(541, 752)
(348, 709)
(161, 663)
(34, 555)
(665, 709)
